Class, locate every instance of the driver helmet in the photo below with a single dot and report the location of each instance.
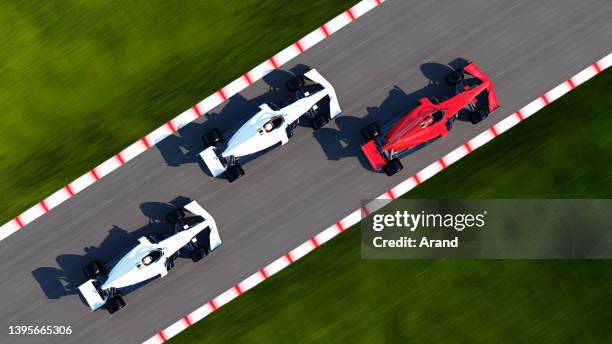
(268, 126)
(147, 260)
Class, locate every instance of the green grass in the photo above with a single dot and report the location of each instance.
(81, 80)
(332, 295)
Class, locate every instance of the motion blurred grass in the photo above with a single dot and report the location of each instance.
(333, 296)
(81, 80)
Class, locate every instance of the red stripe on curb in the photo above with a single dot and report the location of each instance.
(119, 158)
(288, 257)
(263, 273)
(519, 115)
(247, 78)
(197, 111)
(187, 320)
(94, 174)
(324, 29)
(378, 2)
(340, 226)
(416, 179)
(314, 242)
(171, 126)
(299, 46)
(18, 222)
(545, 99)
(571, 83)
(213, 305)
(597, 68)
(222, 94)
(350, 14)
(365, 211)
(238, 289)
(145, 141)
(467, 146)
(493, 131)
(44, 205)
(273, 62)
(391, 194)
(162, 336)
(442, 163)
(69, 190)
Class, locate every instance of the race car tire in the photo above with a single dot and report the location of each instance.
(212, 137)
(371, 131)
(435, 100)
(319, 122)
(477, 116)
(449, 124)
(175, 216)
(198, 254)
(295, 83)
(93, 269)
(455, 77)
(392, 167)
(114, 304)
(234, 172)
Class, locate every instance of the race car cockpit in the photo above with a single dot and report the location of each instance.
(273, 123)
(152, 257)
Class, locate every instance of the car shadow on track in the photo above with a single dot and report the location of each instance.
(63, 280)
(185, 145)
(346, 141)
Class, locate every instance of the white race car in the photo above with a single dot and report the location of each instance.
(271, 126)
(150, 258)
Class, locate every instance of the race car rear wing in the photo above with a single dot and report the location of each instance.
(473, 70)
(213, 161)
(91, 295)
(334, 106)
(214, 238)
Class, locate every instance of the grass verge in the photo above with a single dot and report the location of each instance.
(332, 295)
(81, 80)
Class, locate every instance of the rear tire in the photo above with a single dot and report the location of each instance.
(93, 269)
(478, 116)
(392, 167)
(175, 216)
(319, 122)
(212, 137)
(455, 77)
(296, 83)
(449, 124)
(114, 304)
(371, 131)
(234, 172)
(198, 254)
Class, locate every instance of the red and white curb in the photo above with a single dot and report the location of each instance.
(186, 117)
(390, 195)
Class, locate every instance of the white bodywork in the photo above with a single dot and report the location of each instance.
(252, 137)
(130, 269)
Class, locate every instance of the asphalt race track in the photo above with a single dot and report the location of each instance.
(380, 65)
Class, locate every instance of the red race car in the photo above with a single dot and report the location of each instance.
(430, 120)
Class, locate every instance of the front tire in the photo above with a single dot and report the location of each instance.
(392, 167)
(319, 122)
(371, 131)
(175, 216)
(234, 172)
(212, 137)
(114, 304)
(93, 269)
(478, 116)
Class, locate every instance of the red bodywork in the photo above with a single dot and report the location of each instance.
(428, 121)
